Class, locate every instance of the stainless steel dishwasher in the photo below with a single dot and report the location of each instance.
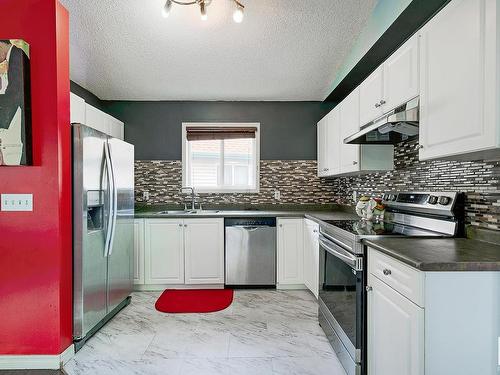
(250, 251)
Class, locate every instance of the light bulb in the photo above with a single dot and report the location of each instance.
(203, 11)
(238, 14)
(165, 12)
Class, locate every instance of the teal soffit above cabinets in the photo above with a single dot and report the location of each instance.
(390, 25)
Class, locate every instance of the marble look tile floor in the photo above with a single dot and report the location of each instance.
(262, 332)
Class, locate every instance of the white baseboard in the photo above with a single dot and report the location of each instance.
(291, 287)
(67, 354)
(162, 287)
(36, 362)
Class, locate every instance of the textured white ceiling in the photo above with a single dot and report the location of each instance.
(283, 50)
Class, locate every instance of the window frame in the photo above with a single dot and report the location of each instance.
(218, 190)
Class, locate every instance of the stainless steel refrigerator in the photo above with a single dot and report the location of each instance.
(103, 232)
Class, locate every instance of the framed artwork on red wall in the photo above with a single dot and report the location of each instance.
(15, 103)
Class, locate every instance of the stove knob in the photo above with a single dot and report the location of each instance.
(432, 199)
(385, 197)
(444, 200)
(392, 197)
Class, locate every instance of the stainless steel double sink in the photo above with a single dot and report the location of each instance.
(187, 212)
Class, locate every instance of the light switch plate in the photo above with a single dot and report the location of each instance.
(17, 202)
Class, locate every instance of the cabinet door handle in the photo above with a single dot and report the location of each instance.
(180, 224)
(386, 272)
(368, 288)
(185, 225)
(382, 102)
(281, 225)
(377, 105)
(354, 162)
(315, 231)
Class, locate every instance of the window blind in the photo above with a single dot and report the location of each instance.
(211, 133)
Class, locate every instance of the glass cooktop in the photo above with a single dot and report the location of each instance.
(371, 228)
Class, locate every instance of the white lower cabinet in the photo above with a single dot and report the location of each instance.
(395, 332)
(431, 322)
(290, 251)
(138, 251)
(164, 251)
(204, 251)
(183, 251)
(311, 256)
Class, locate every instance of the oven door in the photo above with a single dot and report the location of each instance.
(341, 300)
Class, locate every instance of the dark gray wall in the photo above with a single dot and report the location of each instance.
(288, 130)
(89, 98)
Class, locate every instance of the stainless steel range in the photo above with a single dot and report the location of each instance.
(342, 276)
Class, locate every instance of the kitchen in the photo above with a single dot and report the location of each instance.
(186, 224)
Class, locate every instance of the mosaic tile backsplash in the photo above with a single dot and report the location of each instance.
(480, 181)
(295, 179)
(298, 184)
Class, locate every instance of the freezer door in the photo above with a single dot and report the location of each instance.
(120, 259)
(90, 217)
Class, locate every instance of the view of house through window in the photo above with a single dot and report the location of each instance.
(221, 158)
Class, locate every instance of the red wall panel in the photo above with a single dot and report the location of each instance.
(36, 247)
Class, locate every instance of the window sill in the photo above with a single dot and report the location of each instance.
(226, 191)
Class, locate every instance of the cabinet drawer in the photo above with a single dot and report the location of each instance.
(404, 279)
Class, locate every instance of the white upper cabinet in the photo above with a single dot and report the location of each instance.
(322, 146)
(329, 144)
(96, 119)
(337, 158)
(116, 127)
(349, 124)
(400, 77)
(371, 96)
(334, 142)
(77, 109)
(99, 120)
(459, 62)
(393, 83)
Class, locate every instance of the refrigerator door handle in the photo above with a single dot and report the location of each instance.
(110, 188)
(115, 202)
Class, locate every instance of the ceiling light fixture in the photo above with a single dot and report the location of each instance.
(238, 12)
(203, 4)
(203, 11)
(166, 9)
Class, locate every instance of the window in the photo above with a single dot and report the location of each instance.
(221, 157)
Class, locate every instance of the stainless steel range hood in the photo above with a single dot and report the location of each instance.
(393, 127)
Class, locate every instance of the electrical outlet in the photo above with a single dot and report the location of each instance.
(145, 195)
(17, 202)
(277, 195)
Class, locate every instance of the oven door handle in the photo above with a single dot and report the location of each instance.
(342, 254)
(332, 239)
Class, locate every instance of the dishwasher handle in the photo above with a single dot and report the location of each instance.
(250, 228)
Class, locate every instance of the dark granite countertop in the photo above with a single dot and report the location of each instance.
(454, 254)
(313, 212)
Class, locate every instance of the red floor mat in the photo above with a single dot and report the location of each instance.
(194, 300)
